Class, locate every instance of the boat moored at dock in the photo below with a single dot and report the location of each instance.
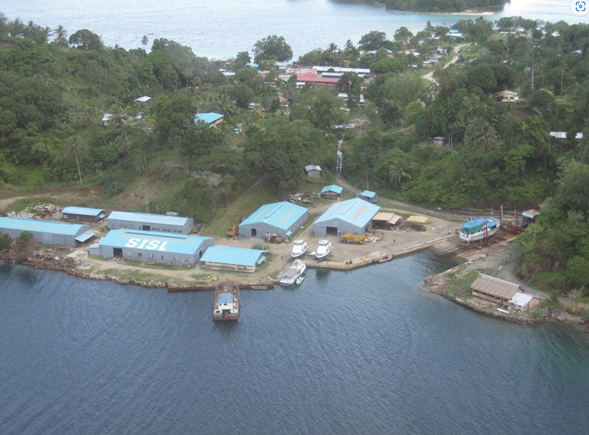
(478, 229)
(323, 250)
(296, 269)
(226, 302)
(299, 248)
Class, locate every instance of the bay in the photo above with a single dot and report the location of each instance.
(220, 28)
(366, 351)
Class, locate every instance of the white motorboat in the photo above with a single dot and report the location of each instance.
(299, 248)
(296, 269)
(323, 250)
(478, 229)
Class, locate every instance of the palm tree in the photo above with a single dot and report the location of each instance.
(76, 146)
(481, 134)
(399, 172)
(60, 35)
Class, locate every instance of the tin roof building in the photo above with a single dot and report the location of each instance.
(332, 192)
(347, 217)
(152, 247)
(83, 214)
(228, 257)
(369, 196)
(281, 218)
(150, 222)
(212, 119)
(49, 233)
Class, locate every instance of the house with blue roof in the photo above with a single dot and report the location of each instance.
(332, 192)
(152, 247)
(212, 119)
(228, 257)
(353, 216)
(280, 218)
(149, 222)
(47, 232)
(369, 196)
(82, 214)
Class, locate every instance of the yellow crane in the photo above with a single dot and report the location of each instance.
(352, 238)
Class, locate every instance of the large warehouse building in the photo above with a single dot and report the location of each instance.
(152, 247)
(347, 217)
(281, 218)
(50, 233)
(150, 222)
(228, 257)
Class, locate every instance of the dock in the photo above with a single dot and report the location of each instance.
(211, 287)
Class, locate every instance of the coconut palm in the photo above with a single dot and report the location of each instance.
(481, 134)
(77, 146)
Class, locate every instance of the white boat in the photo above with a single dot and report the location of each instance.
(299, 248)
(296, 269)
(323, 250)
(478, 229)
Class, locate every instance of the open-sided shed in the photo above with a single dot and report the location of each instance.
(353, 216)
(280, 218)
(228, 257)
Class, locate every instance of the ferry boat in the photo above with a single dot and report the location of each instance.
(296, 269)
(323, 250)
(299, 248)
(226, 302)
(478, 229)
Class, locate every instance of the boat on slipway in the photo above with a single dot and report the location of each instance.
(299, 248)
(324, 249)
(478, 229)
(226, 302)
(296, 269)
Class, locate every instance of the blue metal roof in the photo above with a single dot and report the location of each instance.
(225, 298)
(82, 211)
(280, 214)
(148, 218)
(41, 226)
(478, 222)
(85, 236)
(154, 241)
(231, 255)
(209, 118)
(368, 194)
(355, 211)
(332, 188)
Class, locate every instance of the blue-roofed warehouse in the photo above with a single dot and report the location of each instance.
(228, 257)
(50, 233)
(280, 218)
(152, 247)
(212, 119)
(150, 222)
(83, 214)
(347, 217)
(332, 192)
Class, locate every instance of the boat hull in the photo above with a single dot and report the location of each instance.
(225, 318)
(492, 228)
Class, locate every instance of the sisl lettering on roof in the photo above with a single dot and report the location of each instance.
(154, 245)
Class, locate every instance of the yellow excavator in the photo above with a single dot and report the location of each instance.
(233, 231)
(352, 238)
(274, 238)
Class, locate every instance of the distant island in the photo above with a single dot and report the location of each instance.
(438, 6)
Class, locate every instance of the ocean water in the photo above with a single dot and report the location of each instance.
(365, 351)
(220, 28)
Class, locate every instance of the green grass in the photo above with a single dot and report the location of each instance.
(461, 286)
(154, 266)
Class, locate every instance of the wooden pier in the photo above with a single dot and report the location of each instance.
(212, 286)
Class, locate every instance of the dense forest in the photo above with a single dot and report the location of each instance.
(439, 6)
(55, 92)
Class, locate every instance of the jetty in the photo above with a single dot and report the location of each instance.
(211, 287)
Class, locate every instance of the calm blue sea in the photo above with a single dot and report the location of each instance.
(219, 28)
(358, 352)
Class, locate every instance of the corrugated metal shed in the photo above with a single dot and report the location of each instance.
(51, 233)
(531, 214)
(276, 218)
(368, 194)
(209, 117)
(494, 287)
(149, 222)
(417, 219)
(333, 188)
(352, 216)
(83, 211)
(232, 256)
